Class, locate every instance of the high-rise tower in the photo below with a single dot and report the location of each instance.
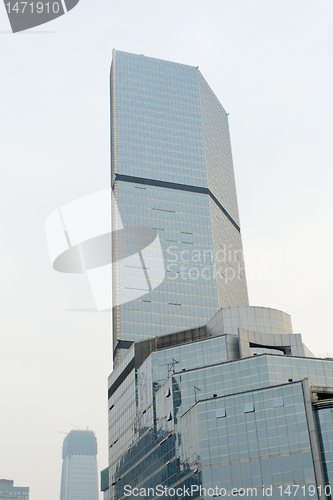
(234, 405)
(172, 171)
(79, 479)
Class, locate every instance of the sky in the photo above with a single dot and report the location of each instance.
(270, 64)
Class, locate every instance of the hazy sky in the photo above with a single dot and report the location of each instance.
(270, 64)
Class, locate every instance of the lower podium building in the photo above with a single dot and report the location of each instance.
(79, 478)
(238, 407)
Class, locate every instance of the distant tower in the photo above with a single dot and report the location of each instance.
(79, 479)
(10, 492)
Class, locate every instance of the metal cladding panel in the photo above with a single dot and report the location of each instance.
(105, 479)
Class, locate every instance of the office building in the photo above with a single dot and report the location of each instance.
(79, 478)
(209, 396)
(238, 405)
(172, 173)
(10, 492)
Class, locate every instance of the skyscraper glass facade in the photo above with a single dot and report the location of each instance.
(324, 417)
(172, 171)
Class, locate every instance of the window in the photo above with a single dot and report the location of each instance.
(248, 408)
(220, 413)
(278, 402)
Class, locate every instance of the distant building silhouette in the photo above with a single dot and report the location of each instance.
(10, 492)
(79, 479)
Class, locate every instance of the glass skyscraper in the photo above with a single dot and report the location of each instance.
(209, 396)
(172, 172)
(79, 478)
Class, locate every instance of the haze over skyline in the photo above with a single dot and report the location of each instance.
(270, 66)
